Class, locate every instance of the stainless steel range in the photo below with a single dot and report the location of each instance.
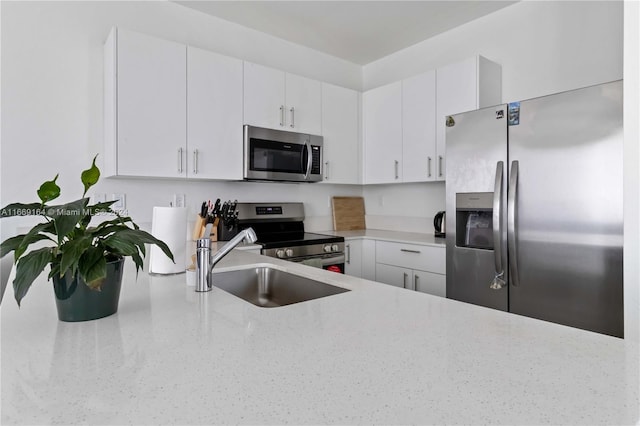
(280, 231)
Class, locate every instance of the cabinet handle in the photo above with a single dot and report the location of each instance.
(326, 170)
(396, 166)
(428, 166)
(195, 161)
(410, 251)
(293, 118)
(439, 165)
(415, 283)
(282, 115)
(404, 279)
(348, 254)
(179, 160)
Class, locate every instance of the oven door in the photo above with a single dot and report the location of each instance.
(330, 262)
(281, 156)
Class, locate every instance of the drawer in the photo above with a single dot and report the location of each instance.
(414, 256)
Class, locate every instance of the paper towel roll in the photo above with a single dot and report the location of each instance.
(169, 224)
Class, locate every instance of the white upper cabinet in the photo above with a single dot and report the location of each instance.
(419, 128)
(283, 101)
(340, 124)
(264, 103)
(382, 123)
(303, 104)
(460, 87)
(214, 116)
(145, 106)
(171, 111)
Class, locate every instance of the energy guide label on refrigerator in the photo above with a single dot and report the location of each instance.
(514, 113)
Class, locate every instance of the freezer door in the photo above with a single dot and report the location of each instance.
(565, 209)
(476, 146)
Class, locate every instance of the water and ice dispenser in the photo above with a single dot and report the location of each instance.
(474, 220)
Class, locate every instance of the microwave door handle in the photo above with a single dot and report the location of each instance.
(309, 159)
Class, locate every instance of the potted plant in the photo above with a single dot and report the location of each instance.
(85, 261)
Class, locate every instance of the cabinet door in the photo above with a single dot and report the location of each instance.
(214, 120)
(340, 123)
(353, 258)
(394, 275)
(418, 128)
(369, 259)
(428, 282)
(303, 104)
(151, 106)
(264, 96)
(382, 116)
(456, 92)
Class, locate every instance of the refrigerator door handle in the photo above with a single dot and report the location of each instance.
(511, 223)
(498, 282)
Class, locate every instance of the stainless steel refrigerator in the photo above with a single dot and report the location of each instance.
(534, 208)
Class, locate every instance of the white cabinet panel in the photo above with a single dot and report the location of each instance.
(393, 275)
(353, 258)
(278, 100)
(264, 96)
(214, 115)
(412, 256)
(150, 106)
(369, 259)
(340, 124)
(464, 86)
(382, 122)
(304, 104)
(428, 282)
(418, 128)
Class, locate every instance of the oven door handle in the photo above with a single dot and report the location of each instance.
(307, 144)
(330, 260)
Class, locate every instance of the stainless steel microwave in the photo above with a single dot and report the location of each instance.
(275, 155)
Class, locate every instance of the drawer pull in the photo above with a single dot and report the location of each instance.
(410, 251)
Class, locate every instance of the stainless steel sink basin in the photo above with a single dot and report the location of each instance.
(269, 287)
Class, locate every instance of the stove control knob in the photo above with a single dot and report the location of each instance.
(327, 248)
(288, 252)
(335, 247)
(280, 253)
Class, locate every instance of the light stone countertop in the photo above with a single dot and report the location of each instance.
(376, 354)
(394, 236)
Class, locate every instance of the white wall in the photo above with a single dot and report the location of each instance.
(544, 47)
(52, 77)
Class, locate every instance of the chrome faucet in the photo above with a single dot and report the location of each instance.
(205, 261)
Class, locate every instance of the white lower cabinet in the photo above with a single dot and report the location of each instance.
(411, 266)
(429, 282)
(393, 275)
(353, 258)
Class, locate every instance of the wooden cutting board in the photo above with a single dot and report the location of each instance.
(348, 213)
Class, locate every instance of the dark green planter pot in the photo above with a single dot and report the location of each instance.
(77, 302)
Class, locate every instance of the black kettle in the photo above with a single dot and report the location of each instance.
(439, 223)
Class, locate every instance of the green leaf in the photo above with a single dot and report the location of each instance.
(21, 209)
(71, 252)
(118, 245)
(90, 176)
(34, 235)
(10, 244)
(137, 237)
(49, 190)
(93, 267)
(27, 270)
(67, 216)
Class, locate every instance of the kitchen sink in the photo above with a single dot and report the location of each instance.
(268, 287)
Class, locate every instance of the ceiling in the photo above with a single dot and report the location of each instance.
(357, 31)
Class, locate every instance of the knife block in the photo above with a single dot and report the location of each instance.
(225, 233)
